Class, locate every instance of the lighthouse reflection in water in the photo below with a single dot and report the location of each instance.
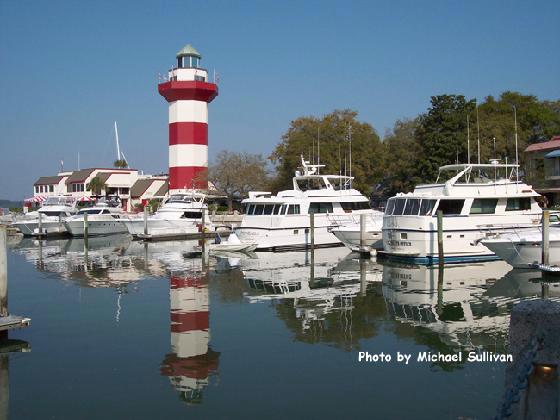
(191, 361)
(301, 317)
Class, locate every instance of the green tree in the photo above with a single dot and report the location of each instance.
(332, 132)
(235, 174)
(120, 163)
(96, 185)
(442, 134)
(402, 151)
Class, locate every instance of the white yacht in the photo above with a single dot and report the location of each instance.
(477, 200)
(54, 211)
(281, 222)
(180, 214)
(103, 219)
(523, 248)
(349, 232)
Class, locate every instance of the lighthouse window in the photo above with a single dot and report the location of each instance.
(484, 206)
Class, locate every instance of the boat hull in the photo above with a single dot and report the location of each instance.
(351, 238)
(95, 227)
(286, 239)
(162, 227)
(48, 228)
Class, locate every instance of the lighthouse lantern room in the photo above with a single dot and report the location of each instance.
(188, 93)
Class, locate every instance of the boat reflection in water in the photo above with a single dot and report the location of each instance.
(191, 362)
(470, 309)
(318, 303)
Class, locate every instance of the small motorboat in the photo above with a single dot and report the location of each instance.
(232, 244)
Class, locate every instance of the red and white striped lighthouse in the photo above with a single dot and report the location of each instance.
(188, 93)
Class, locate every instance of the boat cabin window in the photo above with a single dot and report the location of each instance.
(105, 211)
(249, 209)
(320, 208)
(283, 209)
(412, 207)
(52, 213)
(426, 207)
(89, 211)
(348, 206)
(192, 215)
(518, 203)
(178, 198)
(268, 209)
(484, 206)
(451, 207)
(399, 206)
(277, 208)
(259, 209)
(293, 209)
(310, 184)
(390, 207)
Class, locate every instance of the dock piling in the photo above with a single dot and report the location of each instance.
(145, 220)
(40, 223)
(363, 245)
(3, 272)
(545, 236)
(86, 227)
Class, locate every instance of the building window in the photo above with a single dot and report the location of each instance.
(51, 188)
(484, 206)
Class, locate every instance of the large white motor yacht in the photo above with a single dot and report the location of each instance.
(54, 211)
(180, 214)
(281, 222)
(477, 200)
(103, 219)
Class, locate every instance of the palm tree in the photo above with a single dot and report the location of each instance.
(96, 185)
(120, 163)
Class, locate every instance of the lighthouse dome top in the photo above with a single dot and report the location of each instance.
(188, 51)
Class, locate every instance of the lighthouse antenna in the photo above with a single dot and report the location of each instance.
(117, 141)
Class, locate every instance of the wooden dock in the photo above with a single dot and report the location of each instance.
(13, 321)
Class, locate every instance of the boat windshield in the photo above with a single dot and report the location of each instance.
(315, 183)
(179, 198)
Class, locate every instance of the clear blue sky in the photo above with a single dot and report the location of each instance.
(68, 69)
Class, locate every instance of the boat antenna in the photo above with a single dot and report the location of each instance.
(350, 147)
(117, 141)
(494, 138)
(339, 167)
(516, 150)
(468, 141)
(478, 133)
(318, 147)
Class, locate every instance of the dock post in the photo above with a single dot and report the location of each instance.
(545, 236)
(363, 283)
(4, 385)
(3, 272)
(363, 244)
(312, 236)
(86, 227)
(146, 220)
(40, 223)
(203, 223)
(440, 237)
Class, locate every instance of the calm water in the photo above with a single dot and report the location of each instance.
(135, 330)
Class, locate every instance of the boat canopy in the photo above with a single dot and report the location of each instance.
(477, 173)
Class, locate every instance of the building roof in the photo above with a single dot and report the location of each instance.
(48, 180)
(188, 50)
(104, 176)
(163, 190)
(140, 187)
(79, 176)
(553, 154)
(553, 143)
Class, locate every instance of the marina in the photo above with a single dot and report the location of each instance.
(331, 212)
(212, 318)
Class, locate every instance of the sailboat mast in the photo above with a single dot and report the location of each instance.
(478, 134)
(468, 142)
(117, 141)
(318, 149)
(516, 151)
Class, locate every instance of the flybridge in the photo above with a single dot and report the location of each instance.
(492, 172)
(310, 179)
